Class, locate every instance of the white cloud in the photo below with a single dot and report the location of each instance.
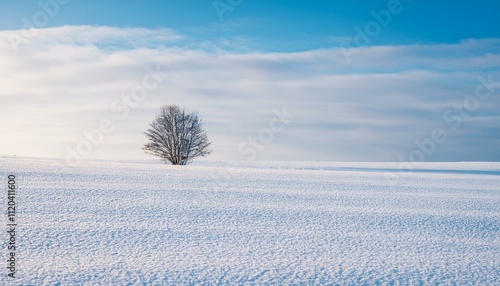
(65, 79)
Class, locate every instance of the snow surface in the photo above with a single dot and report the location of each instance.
(106, 223)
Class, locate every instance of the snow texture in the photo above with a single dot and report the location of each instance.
(109, 223)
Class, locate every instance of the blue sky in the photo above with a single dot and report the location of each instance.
(370, 97)
(291, 25)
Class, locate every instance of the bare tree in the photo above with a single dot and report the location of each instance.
(176, 136)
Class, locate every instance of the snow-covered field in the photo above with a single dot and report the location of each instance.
(108, 223)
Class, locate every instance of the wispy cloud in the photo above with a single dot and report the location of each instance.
(372, 108)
